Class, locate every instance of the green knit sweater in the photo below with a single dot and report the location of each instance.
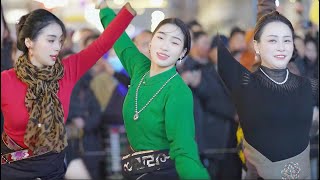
(168, 121)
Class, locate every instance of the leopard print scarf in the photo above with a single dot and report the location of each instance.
(45, 128)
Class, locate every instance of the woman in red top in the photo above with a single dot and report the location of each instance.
(35, 94)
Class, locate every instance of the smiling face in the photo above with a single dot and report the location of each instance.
(275, 45)
(167, 46)
(44, 50)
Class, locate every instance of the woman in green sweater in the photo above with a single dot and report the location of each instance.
(158, 109)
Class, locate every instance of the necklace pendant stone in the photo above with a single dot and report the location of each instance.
(136, 116)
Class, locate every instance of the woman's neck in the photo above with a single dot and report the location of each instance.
(276, 74)
(156, 69)
(34, 62)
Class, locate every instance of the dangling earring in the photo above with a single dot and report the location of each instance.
(180, 60)
(30, 53)
(257, 56)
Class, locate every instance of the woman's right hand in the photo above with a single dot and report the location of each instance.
(100, 4)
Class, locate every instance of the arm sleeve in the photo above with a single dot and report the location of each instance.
(77, 64)
(180, 131)
(230, 70)
(129, 55)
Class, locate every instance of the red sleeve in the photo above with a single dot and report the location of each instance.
(78, 64)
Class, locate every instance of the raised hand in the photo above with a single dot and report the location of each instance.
(100, 4)
(103, 4)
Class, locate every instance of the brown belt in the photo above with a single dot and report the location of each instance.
(19, 153)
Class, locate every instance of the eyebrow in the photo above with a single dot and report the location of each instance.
(52, 36)
(277, 36)
(169, 35)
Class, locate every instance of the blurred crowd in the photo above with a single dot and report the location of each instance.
(95, 125)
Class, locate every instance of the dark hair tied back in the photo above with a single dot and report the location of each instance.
(274, 16)
(20, 40)
(30, 25)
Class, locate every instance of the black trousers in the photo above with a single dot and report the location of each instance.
(49, 166)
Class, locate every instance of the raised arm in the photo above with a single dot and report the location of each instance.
(230, 70)
(129, 55)
(181, 135)
(77, 64)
